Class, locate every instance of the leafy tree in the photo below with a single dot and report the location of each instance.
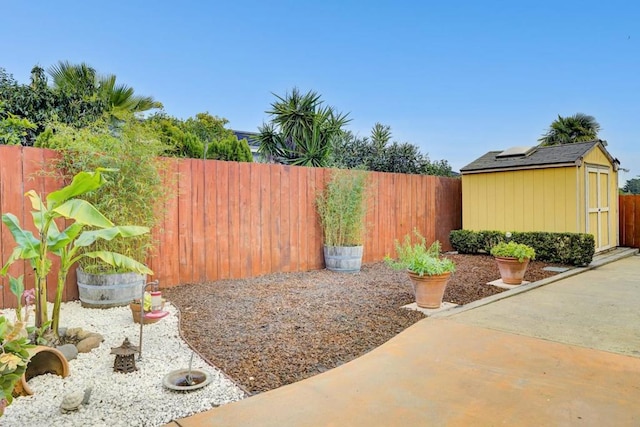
(301, 131)
(35, 103)
(376, 154)
(192, 137)
(219, 142)
(77, 98)
(13, 129)
(632, 186)
(179, 143)
(566, 130)
(230, 149)
(351, 152)
(82, 80)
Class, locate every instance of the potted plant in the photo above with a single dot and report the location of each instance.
(512, 259)
(342, 208)
(428, 271)
(133, 196)
(134, 305)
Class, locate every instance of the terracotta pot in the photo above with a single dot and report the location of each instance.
(135, 312)
(511, 270)
(44, 360)
(429, 290)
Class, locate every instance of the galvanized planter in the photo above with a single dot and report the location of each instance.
(343, 259)
(109, 290)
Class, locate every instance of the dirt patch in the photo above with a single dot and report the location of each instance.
(273, 330)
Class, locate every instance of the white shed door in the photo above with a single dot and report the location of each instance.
(598, 206)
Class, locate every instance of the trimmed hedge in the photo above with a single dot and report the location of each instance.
(564, 248)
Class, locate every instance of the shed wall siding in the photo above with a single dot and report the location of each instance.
(525, 200)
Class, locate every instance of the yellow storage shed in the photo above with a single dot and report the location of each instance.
(559, 188)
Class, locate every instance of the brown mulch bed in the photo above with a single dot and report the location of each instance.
(273, 330)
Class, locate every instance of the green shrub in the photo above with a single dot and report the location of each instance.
(230, 149)
(464, 241)
(513, 250)
(564, 248)
(132, 195)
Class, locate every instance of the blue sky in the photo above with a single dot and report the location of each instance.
(457, 78)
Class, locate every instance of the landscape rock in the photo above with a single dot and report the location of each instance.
(72, 333)
(70, 351)
(92, 341)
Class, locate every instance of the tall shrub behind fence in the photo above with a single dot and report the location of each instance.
(234, 220)
(629, 212)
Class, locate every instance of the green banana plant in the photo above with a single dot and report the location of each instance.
(66, 244)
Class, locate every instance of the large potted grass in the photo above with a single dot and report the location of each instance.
(131, 195)
(342, 208)
(428, 271)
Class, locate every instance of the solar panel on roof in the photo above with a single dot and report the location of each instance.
(517, 151)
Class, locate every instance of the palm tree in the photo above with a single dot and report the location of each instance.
(566, 130)
(82, 79)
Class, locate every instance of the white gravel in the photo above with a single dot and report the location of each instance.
(134, 399)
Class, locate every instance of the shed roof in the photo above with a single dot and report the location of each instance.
(553, 155)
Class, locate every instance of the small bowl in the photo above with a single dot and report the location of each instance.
(177, 380)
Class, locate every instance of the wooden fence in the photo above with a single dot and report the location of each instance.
(236, 220)
(629, 212)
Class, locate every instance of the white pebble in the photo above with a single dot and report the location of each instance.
(134, 399)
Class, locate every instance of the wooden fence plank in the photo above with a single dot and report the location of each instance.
(234, 221)
(32, 178)
(210, 220)
(629, 219)
(265, 218)
(294, 217)
(284, 242)
(185, 225)
(304, 214)
(275, 217)
(316, 241)
(255, 226)
(633, 224)
(635, 240)
(171, 225)
(222, 212)
(11, 187)
(198, 213)
(245, 212)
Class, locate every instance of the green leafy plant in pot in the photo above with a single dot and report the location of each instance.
(342, 208)
(135, 195)
(428, 271)
(512, 259)
(65, 244)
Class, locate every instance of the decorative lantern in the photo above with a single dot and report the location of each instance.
(125, 357)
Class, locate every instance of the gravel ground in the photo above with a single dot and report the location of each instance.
(277, 329)
(262, 332)
(134, 399)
